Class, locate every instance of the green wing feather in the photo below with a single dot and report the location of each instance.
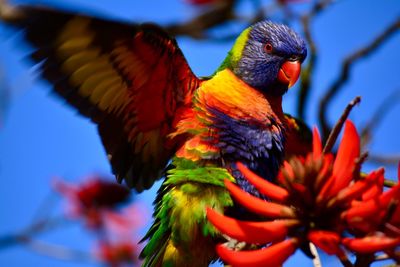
(180, 219)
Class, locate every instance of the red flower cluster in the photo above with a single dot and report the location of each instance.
(90, 199)
(319, 200)
(123, 253)
(98, 203)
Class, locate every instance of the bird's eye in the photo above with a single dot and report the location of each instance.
(268, 47)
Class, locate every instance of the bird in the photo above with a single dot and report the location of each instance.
(158, 120)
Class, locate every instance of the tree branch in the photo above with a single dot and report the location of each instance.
(56, 251)
(345, 72)
(217, 14)
(316, 260)
(389, 183)
(339, 125)
(36, 228)
(384, 159)
(383, 109)
(307, 73)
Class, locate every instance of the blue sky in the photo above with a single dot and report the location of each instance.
(42, 138)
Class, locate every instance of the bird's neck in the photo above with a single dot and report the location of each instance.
(235, 53)
(276, 105)
(229, 94)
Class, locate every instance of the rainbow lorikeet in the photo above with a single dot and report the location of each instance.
(135, 84)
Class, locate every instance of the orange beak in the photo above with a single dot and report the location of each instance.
(289, 72)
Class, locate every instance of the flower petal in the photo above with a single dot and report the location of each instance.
(265, 187)
(362, 211)
(349, 151)
(326, 240)
(359, 187)
(371, 244)
(250, 232)
(377, 188)
(272, 256)
(389, 195)
(324, 194)
(257, 205)
(323, 174)
(317, 145)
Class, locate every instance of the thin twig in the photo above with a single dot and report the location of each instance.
(34, 229)
(383, 109)
(45, 208)
(345, 72)
(316, 260)
(364, 260)
(217, 14)
(389, 183)
(339, 125)
(344, 259)
(384, 159)
(307, 73)
(382, 257)
(56, 251)
(358, 164)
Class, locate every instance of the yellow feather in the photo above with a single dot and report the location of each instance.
(171, 254)
(75, 27)
(138, 142)
(95, 80)
(119, 49)
(75, 45)
(100, 90)
(76, 61)
(108, 96)
(153, 141)
(120, 100)
(87, 70)
(128, 59)
(146, 152)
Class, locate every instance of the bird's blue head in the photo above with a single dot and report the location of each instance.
(267, 56)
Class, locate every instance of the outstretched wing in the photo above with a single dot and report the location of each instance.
(132, 80)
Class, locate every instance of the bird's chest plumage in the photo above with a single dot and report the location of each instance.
(259, 145)
(233, 122)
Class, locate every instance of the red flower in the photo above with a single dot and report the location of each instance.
(90, 199)
(118, 254)
(319, 200)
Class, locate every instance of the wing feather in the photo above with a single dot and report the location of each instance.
(132, 80)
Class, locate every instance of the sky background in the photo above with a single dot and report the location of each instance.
(41, 137)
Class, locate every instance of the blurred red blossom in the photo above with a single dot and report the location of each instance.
(119, 245)
(126, 221)
(118, 254)
(100, 204)
(92, 198)
(320, 199)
